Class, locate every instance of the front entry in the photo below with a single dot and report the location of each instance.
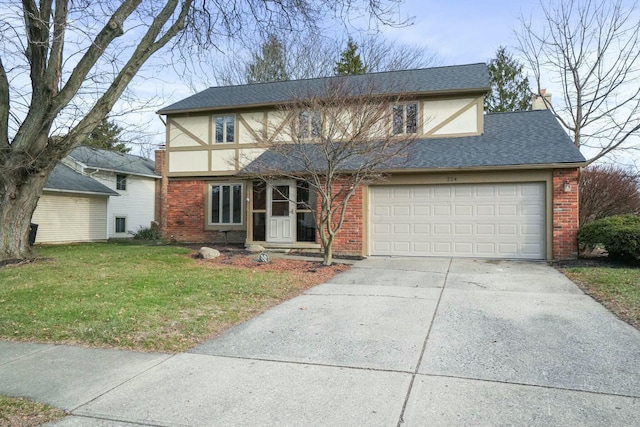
(280, 212)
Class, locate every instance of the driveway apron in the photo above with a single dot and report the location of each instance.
(391, 342)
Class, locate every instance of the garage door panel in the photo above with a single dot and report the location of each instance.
(479, 220)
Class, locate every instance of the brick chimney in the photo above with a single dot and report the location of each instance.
(161, 192)
(541, 101)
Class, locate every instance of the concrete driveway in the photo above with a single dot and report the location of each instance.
(392, 342)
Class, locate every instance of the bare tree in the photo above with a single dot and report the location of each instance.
(607, 190)
(336, 140)
(64, 64)
(311, 55)
(591, 49)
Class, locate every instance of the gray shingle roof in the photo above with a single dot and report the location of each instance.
(472, 77)
(63, 178)
(510, 139)
(114, 161)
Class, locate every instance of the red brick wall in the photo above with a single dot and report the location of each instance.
(349, 240)
(565, 214)
(185, 215)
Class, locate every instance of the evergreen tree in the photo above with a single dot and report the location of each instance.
(350, 62)
(270, 64)
(509, 87)
(106, 136)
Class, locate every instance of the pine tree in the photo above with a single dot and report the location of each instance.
(350, 62)
(270, 64)
(509, 87)
(107, 137)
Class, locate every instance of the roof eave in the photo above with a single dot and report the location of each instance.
(470, 91)
(90, 193)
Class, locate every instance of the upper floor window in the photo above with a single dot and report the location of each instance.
(225, 129)
(405, 118)
(121, 182)
(310, 124)
(226, 204)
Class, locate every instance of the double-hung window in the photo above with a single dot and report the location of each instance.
(310, 124)
(405, 118)
(224, 129)
(226, 204)
(121, 182)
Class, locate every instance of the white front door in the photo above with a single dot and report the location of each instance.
(280, 212)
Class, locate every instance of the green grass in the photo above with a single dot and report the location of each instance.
(618, 289)
(26, 413)
(150, 298)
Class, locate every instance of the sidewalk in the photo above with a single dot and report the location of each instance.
(391, 342)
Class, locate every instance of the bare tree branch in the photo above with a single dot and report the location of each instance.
(591, 48)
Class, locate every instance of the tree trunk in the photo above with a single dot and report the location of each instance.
(18, 201)
(327, 257)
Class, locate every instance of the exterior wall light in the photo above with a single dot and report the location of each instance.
(567, 186)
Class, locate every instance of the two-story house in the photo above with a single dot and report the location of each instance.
(473, 184)
(95, 195)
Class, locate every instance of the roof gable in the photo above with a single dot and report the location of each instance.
(459, 78)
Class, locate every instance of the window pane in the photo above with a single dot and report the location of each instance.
(121, 225)
(306, 227)
(316, 125)
(259, 195)
(226, 204)
(304, 124)
(230, 128)
(237, 204)
(215, 204)
(302, 195)
(412, 118)
(280, 192)
(398, 111)
(219, 129)
(259, 227)
(121, 182)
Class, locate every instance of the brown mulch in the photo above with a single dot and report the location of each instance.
(308, 273)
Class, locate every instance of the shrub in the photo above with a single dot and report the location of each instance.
(620, 236)
(607, 190)
(146, 233)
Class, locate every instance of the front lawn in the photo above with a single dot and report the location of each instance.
(21, 412)
(141, 297)
(617, 288)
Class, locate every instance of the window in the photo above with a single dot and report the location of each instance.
(259, 211)
(226, 204)
(305, 219)
(121, 182)
(405, 118)
(225, 129)
(121, 224)
(310, 124)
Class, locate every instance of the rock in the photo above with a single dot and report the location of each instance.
(208, 253)
(255, 248)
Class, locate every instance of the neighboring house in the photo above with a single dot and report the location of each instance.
(475, 185)
(72, 208)
(133, 178)
(95, 195)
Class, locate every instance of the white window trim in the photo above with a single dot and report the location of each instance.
(209, 201)
(404, 117)
(224, 128)
(126, 181)
(115, 224)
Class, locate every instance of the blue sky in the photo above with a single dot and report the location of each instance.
(463, 31)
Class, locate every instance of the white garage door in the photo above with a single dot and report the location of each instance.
(465, 220)
(70, 218)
